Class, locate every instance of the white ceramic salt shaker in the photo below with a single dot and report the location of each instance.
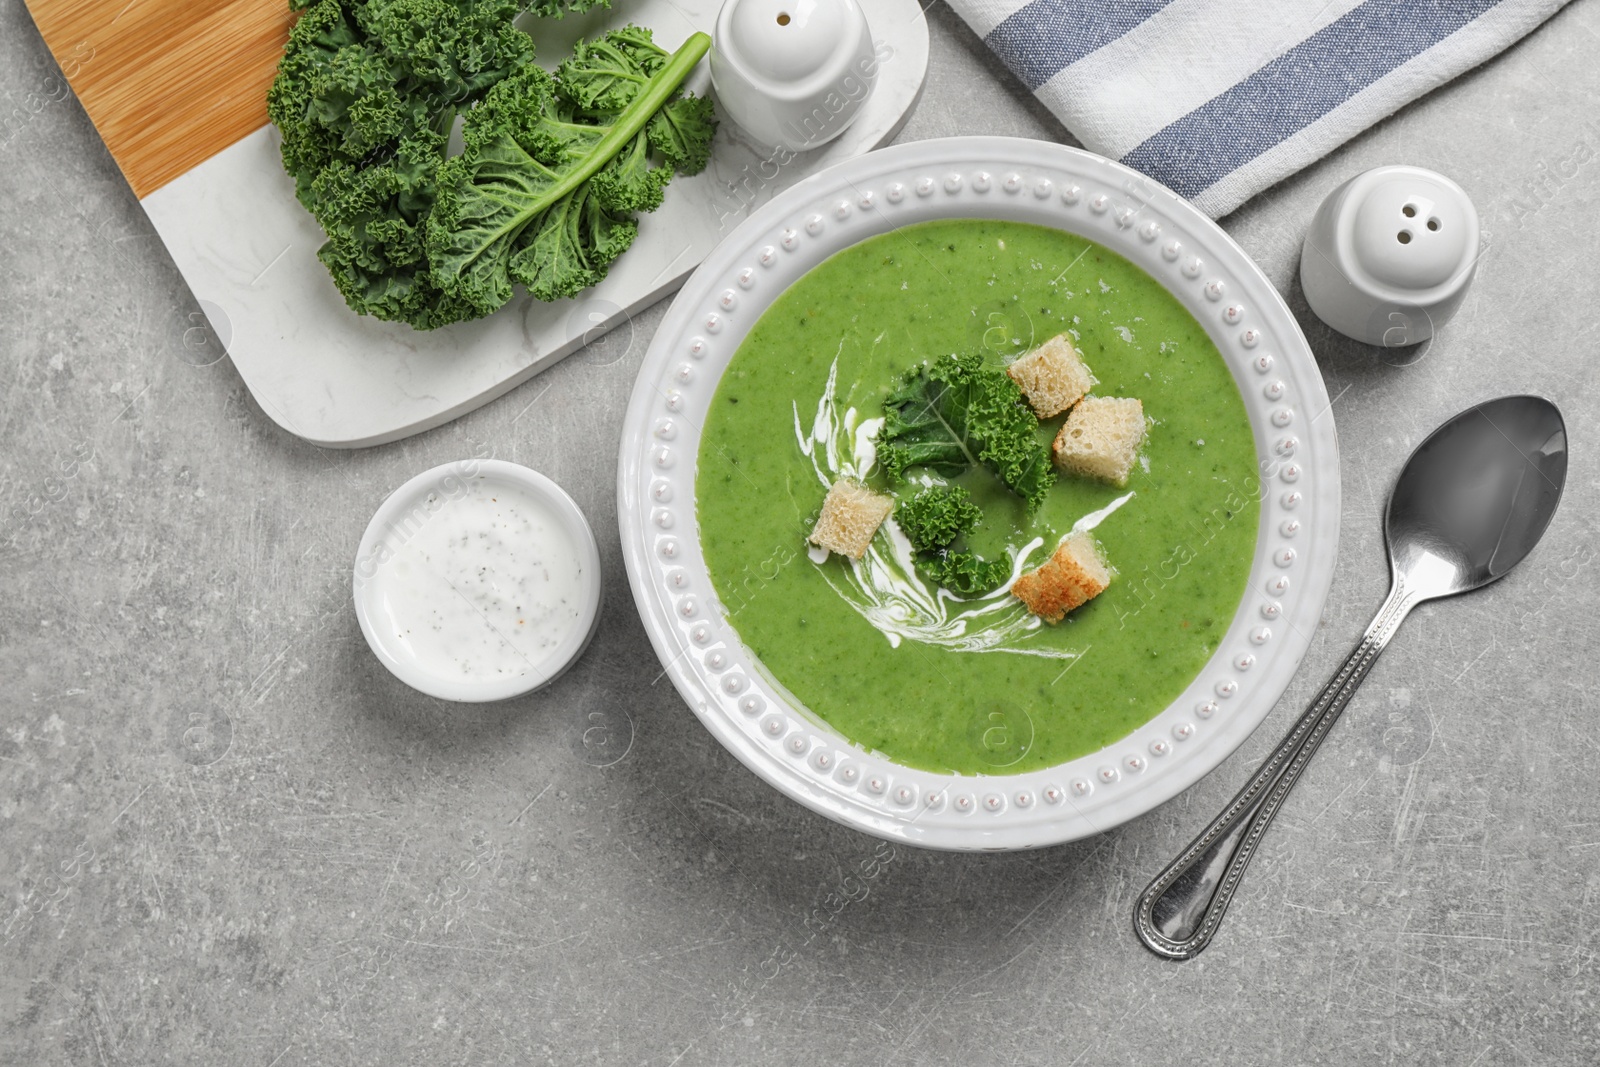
(792, 73)
(1390, 255)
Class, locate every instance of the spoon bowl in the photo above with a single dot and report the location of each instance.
(1470, 504)
(1476, 496)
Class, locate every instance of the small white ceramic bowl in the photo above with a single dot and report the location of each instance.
(792, 73)
(404, 514)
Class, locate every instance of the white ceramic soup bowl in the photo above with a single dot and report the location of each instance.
(1024, 181)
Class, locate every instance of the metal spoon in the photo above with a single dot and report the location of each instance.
(1471, 502)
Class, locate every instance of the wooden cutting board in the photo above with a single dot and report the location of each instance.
(177, 89)
(168, 83)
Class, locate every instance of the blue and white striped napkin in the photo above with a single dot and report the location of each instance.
(1219, 99)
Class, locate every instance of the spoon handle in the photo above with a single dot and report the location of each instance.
(1179, 912)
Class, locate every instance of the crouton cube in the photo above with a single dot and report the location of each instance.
(1101, 438)
(1074, 574)
(1053, 376)
(851, 514)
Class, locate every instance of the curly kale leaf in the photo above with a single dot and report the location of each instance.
(576, 242)
(359, 78)
(682, 133)
(554, 169)
(936, 516)
(965, 574)
(946, 417)
(629, 182)
(554, 9)
(304, 99)
(603, 76)
(365, 96)
(932, 521)
(373, 217)
(955, 413)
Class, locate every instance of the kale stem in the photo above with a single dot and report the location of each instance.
(632, 119)
(443, 121)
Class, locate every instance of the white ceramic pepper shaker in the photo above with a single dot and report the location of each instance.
(1390, 255)
(792, 73)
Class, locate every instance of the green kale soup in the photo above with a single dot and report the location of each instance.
(929, 680)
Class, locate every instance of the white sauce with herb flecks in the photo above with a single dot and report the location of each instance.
(486, 587)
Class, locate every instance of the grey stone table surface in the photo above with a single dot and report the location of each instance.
(228, 835)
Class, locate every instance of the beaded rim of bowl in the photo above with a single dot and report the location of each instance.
(1025, 181)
